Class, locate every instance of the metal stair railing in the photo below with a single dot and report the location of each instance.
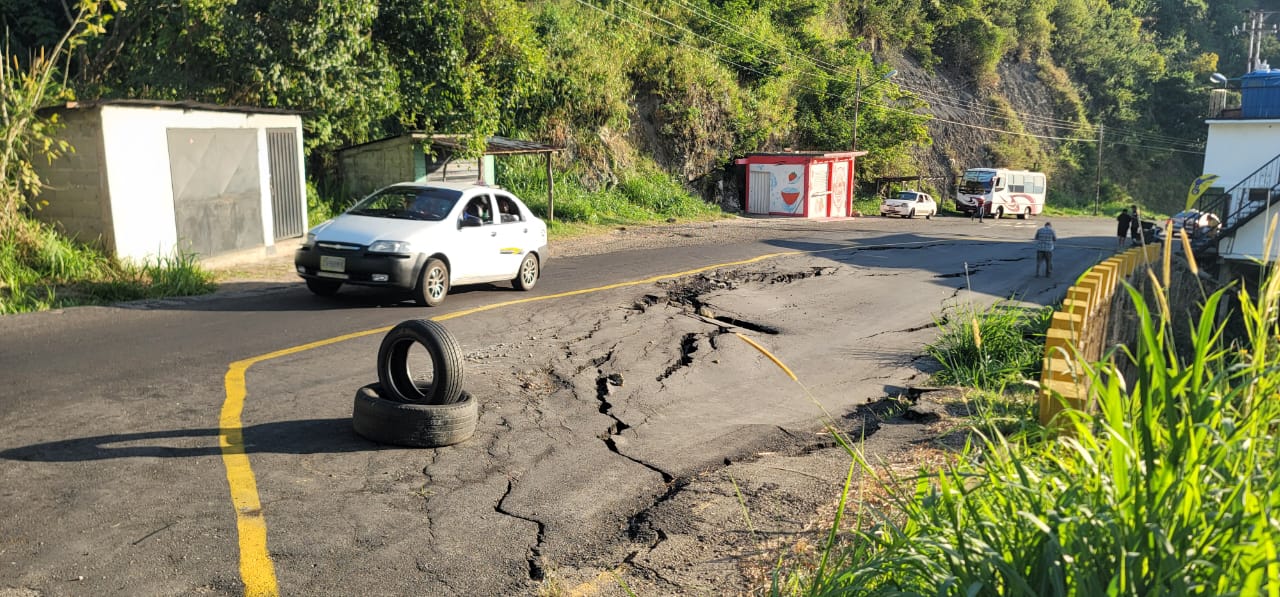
(1236, 207)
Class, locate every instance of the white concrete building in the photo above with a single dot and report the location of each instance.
(153, 179)
(1245, 153)
(1243, 149)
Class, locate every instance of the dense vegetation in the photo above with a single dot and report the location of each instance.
(687, 84)
(651, 100)
(1168, 488)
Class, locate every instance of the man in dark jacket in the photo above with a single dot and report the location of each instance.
(1123, 222)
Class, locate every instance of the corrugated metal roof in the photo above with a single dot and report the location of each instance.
(495, 145)
(175, 105)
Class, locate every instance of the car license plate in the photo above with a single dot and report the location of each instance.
(333, 264)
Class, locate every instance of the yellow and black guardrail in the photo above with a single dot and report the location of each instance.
(1077, 333)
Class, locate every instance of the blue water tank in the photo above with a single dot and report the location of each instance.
(1260, 94)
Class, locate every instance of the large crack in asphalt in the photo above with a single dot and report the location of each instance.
(604, 387)
(536, 572)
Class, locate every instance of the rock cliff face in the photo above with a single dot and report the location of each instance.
(966, 130)
(963, 120)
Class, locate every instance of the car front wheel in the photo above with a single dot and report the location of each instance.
(528, 274)
(323, 287)
(433, 284)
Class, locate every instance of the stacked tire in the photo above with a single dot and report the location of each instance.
(401, 411)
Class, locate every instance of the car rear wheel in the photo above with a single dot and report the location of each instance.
(323, 287)
(929, 216)
(528, 274)
(433, 284)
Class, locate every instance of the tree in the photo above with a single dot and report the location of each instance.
(25, 134)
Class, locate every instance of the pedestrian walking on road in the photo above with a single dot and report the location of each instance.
(1123, 222)
(979, 206)
(1135, 227)
(1045, 237)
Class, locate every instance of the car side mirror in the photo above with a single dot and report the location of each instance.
(470, 221)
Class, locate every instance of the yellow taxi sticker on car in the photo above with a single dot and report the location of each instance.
(510, 250)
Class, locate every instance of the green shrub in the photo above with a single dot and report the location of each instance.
(41, 269)
(1169, 489)
(992, 348)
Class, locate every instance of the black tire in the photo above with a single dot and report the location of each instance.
(385, 421)
(998, 213)
(433, 284)
(929, 216)
(528, 273)
(321, 287)
(446, 363)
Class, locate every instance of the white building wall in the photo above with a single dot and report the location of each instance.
(137, 170)
(75, 193)
(1250, 240)
(1236, 148)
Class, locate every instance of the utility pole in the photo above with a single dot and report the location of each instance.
(1256, 28)
(857, 102)
(1097, 186)
(857, 99)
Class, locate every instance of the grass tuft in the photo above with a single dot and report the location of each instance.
(41, 270)
(990, 348)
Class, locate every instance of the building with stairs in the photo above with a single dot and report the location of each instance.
(1243, 149)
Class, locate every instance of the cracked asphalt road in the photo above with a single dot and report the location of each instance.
(618, 429)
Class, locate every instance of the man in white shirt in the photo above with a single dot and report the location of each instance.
(1045, 237)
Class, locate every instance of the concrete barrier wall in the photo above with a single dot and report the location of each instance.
(1078, 331)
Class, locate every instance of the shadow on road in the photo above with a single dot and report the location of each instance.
(953, 257)
(309, 436)
(260, 297)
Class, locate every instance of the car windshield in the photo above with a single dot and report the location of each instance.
(423, 203)
(905, 197)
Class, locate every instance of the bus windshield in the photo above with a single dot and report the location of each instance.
(977, 182)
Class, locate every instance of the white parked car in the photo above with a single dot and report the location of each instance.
(910, 204)
(426, 238)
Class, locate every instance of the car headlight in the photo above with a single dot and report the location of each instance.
(390, 246)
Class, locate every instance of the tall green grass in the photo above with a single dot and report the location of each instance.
(41, 269)
(990, 348)
(1171, 488)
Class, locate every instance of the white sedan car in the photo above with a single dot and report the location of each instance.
(910, 204)
(426, 238)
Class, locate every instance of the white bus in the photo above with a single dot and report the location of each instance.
(1002, 192)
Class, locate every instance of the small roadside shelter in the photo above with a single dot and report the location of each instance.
(800, 184)
(420, 157)
(150, 178)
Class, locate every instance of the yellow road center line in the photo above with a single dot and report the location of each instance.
(256, 568)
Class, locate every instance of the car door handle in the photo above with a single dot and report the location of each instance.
(495, 233)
